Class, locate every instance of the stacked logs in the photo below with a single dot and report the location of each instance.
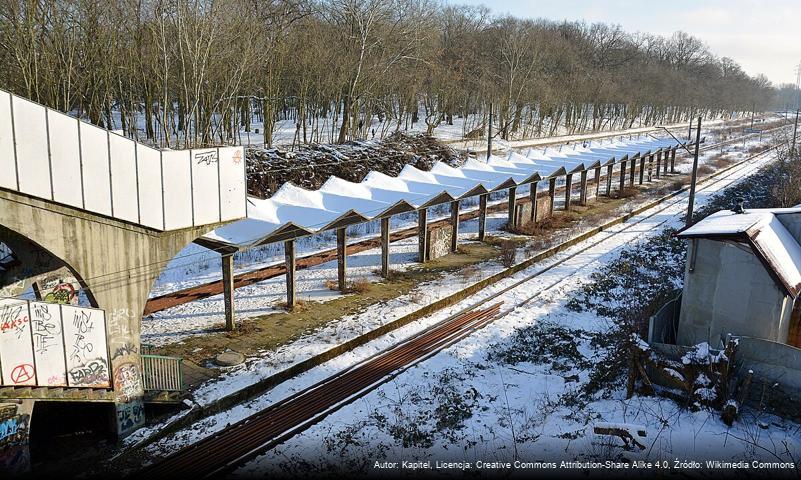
(310, 166)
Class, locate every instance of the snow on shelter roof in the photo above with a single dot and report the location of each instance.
(294, 211)
(770, 240)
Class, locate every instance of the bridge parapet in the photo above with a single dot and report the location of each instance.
(50, 155)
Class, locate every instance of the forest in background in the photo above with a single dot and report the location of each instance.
(184, 73)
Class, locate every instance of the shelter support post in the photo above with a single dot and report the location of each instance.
(658, 163)
(342, 259)
(673, 160)
(482, 216)
(597, 181)
(228, 290)
(583, 196)
(632, 171)
(623, 174)
(552, 192)
(533, 195)
(422, 234)
(609, 180)
(385, 247)
(650, 167)
(512, 203)
(454, 225)
(642, 169)
(568, 190)
(289, 259)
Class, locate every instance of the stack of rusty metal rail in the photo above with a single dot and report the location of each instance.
(229, 448)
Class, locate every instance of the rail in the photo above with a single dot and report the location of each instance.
(160, 373)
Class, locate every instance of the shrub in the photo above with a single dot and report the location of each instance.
(508, 253)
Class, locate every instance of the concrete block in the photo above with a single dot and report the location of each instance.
(523, 214)
(439, 242)
(543, 207)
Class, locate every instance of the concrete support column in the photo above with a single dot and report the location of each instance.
(385, 247)
(673, 160)
(454, 225)
(658, 163)
(289, 260)
(583, 195)
(342, 259)
(482, 216)
(552, 192)
(609, 180)
(533, 196)
(228, 291)
(568, 190)
(642, 169)
(422, 234)
(512, 201)
(623, 174)
(632, 171)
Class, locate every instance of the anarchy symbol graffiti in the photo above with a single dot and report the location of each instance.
(22, 373)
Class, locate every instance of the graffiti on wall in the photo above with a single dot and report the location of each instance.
(14, 453)
(127, 381)
(130, 416)
(51, 345)
(63, 293)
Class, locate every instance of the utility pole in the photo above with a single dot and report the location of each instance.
(795, 131)
(689, 219)
(798, 86)
(489, 133)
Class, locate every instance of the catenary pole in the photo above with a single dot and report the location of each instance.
(694, 178)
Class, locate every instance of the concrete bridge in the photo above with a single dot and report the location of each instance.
(85, 211)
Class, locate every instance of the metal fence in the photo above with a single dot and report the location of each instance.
(162, 373)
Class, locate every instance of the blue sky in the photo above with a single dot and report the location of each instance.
(762, 36)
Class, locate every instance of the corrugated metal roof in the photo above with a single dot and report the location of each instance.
(296, 211)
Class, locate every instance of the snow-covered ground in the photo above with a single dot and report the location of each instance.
(506, 413)
(196, 265)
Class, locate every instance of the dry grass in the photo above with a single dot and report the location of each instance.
(508, 253)
(628, 192)
(470, 272)
(300, 306)
(360, 285)
(704, 170)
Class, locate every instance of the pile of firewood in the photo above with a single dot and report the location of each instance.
(701, 378)
(310, 166)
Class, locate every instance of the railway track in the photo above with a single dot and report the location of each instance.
(199, 292)
(242, 441)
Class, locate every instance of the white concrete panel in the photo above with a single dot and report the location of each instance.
(150, 200)
(96, 181)
(16, 348)
(30, 130)
(48, 344)
(206, 196)
(8, 168)
(232, 183)
(123, 178)
(177, 189)
(65, 159)
(86, 349)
